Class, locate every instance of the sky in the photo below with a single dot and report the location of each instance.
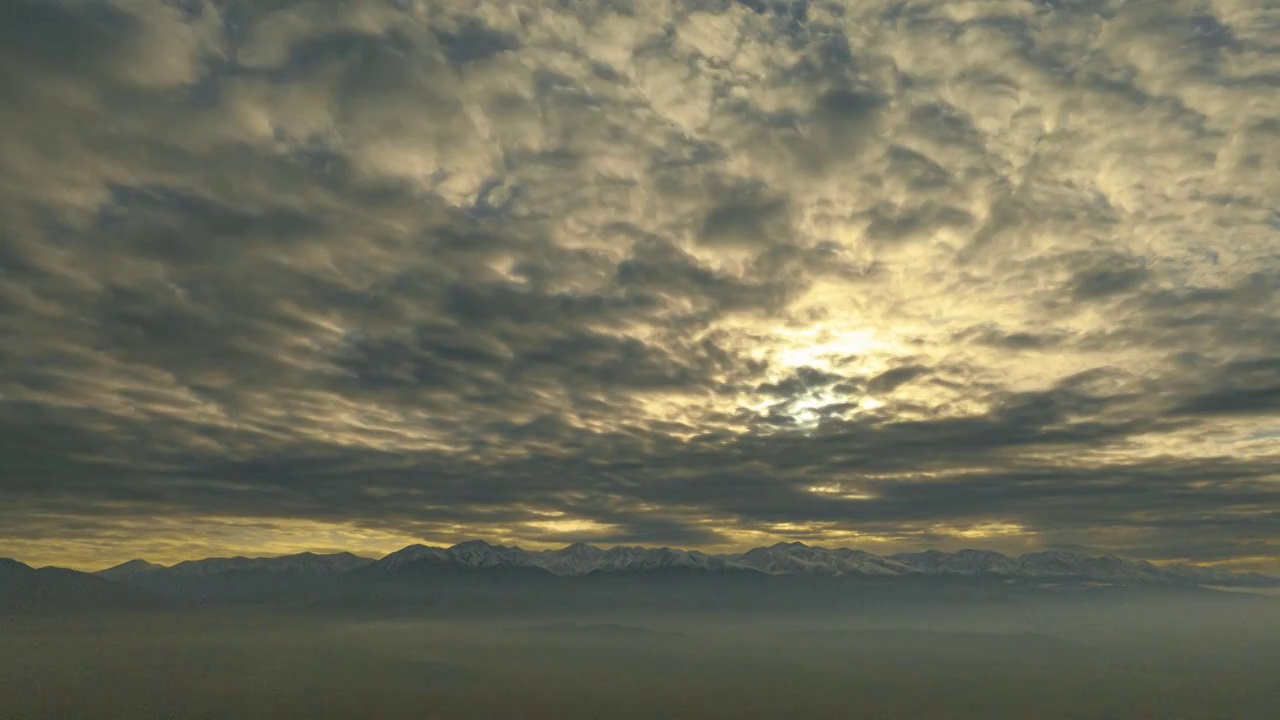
(888, 274)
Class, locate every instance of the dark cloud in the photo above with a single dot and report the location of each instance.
(749, 216)
(473, 42)
(287, 275)
(890, 380)
(1107, 281)
(1242, 387)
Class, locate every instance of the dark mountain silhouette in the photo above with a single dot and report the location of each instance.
(27, 590)
(476, 576)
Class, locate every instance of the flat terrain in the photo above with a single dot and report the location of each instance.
(961, 665)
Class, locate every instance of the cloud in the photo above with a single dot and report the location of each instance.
(899, 274)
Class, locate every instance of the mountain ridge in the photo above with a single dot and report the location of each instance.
(780, 559)
(477, 576)
(25, 589)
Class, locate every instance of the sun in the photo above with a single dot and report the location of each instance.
(839, 354)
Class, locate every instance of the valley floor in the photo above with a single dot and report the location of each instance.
(221, 665)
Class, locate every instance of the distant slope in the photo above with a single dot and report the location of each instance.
(238, 579)
(782, 559)
(25, 590)
(128, 571)
(476, 575)
(787, 559)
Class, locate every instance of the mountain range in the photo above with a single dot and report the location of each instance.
(477, 573)
(792, 558)
(50, 589)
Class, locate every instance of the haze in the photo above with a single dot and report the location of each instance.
(1142, 659)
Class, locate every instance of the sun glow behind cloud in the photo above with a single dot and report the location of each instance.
(830, 349)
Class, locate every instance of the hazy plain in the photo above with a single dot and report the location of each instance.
(1135, 658)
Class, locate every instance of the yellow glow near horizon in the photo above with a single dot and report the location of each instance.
(983, 530)
(569, 525)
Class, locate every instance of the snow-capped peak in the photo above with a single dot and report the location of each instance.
(786, 558)
(575, 559)
(412, 555)
(480, 554)
(798, 558)
(962, 562)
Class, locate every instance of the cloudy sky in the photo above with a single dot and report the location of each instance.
(888, 274)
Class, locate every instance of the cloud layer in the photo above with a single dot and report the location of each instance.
(292, 275)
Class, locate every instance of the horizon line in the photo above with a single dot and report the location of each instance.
(605, 547)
